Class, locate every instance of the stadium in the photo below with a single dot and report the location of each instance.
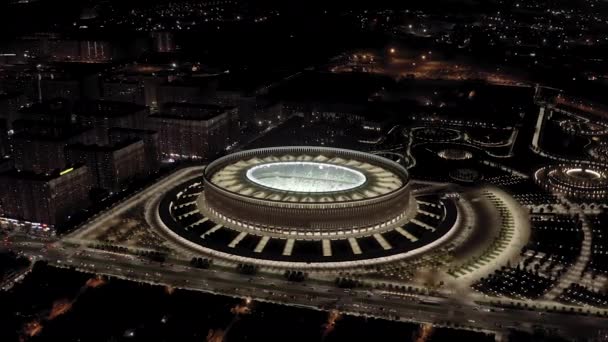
(310, 191)
(572, 180)
(584, 127)
(599, 152)
(306, 207)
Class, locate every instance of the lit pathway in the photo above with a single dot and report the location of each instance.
(575, 272)
(520, 234)
(536, 144)
(538, 129)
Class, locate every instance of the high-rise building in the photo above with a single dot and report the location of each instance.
(6, 164)
(70, 87)
(103, 115)
(134, 83)
(40, 148)
(124, 90)
(5, 149)
(163, 42)
(160, 80)
(189, 131)
(247, 104)
(151, 144)
(48, 199)
(250, 94)
(54, 47)
(18, 79)
(10, 104)
(266, 113)
(37, 45)
(57, 112)
(95, 50)
(190, 90)
(112, 166)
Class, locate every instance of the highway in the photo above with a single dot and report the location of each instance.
(321, 295)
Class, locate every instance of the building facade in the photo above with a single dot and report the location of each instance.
(112, 166)
(44, 198)
(41, 149)
(151, 142)
(103, 115)
(197, 132)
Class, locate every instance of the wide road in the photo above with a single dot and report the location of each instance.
(323, 295)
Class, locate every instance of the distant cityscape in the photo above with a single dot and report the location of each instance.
(424, 171)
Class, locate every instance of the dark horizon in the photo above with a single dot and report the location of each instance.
(231, 170)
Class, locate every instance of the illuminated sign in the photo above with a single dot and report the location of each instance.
(66, 171)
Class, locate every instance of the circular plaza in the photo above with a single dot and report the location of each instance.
(584, 127)
(306, 207)
(577, 181)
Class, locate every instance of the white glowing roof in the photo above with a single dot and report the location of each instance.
(307, 177)
(583, 173)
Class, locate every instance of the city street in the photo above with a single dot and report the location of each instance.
(477, 314)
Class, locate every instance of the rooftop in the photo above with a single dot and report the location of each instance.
(33, 176)
(188, 111)
(103, 108)
(105, 148)
(48, 107)
(9, 95)
(133, 130)
(36, 130)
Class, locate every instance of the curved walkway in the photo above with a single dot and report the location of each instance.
(535, 146)
(517, 235)
(575, 272)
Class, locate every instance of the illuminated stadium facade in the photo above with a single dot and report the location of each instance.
(584, 127)
(577, 181)
(305, 207)
(306, 190)
(599, 152)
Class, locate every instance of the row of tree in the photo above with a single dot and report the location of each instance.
(203, 263)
